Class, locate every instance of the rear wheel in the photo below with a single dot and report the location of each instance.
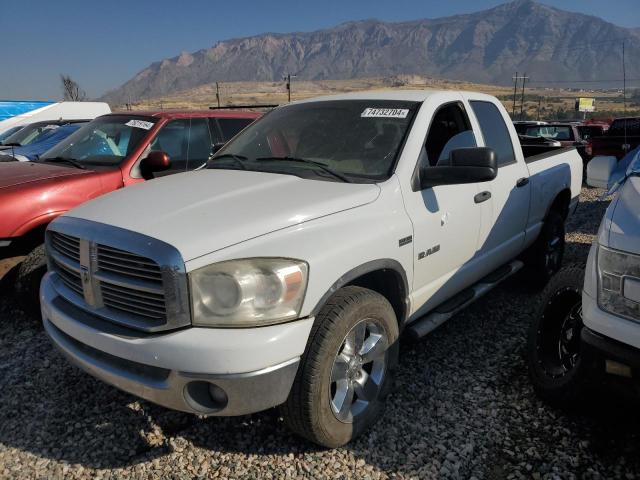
(27, 286)
(347, 370)
(557, 369)
(546, 254)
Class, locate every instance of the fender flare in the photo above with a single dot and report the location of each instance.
(368, 267)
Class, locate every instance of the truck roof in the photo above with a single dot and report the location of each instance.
(400, 95)
(190, 113)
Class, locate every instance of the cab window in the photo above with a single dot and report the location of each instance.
(230, 127)
(494, 130)
(186, 141)
(449, 130)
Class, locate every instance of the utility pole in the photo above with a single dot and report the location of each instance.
(515, 93)
(624, 98)
(288, 78)
(524, 80)
(218, 93)
(539, 100)
(624, 80)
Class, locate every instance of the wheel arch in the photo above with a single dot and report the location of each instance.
(561, 203)
(384, 276)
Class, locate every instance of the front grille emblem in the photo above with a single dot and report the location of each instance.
(88, 266)
(84, 272)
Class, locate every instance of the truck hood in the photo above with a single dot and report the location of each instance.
(624, 232)
(204, 211)
(17, 173)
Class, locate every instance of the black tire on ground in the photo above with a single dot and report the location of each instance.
(544, 257)
(27, 286)
(309, 410)
(557, 369)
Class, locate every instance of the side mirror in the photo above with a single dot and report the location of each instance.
(154, 162)
(600, 171)
(216, 147)
(465, 165)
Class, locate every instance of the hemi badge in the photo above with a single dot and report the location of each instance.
(405, 241)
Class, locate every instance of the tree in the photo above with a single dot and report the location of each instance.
(71, 90)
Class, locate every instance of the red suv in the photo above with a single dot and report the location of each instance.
(111, 152)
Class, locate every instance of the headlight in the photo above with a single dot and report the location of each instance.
(248, 292)
(619, 283)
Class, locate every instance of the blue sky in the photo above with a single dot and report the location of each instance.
(102, 45)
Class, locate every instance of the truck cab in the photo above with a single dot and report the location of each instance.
(283, 273)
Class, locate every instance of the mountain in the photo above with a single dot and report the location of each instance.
(549, 44)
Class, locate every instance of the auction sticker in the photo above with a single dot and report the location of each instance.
(385, 113)
(139, 124)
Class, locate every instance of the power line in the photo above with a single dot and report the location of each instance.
(586, 81)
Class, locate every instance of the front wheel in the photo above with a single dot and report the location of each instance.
(347, 370)
(557, 368)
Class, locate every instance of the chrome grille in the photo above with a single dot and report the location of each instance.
(119, 275)
(128, 300)
(70, 278)
(128, 264)
(66, 245)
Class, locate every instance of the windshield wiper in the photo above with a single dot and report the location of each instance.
(322, 166)
(238, 159)
(70, 161)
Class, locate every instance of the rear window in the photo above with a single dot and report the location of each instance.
(555, 132)
(617, 127)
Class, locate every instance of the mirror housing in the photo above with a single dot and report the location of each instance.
(600, 171)
(464, 165)
(216, 147)
(154, 162)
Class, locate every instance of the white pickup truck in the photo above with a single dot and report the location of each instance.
(587, 323)
(284, 272)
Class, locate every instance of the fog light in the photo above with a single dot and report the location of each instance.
(218, 395)
(205, 397)
(619, 369)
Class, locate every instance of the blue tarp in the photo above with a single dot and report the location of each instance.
(11, 108)
(45, 142)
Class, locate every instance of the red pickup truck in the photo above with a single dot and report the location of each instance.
(622, 136)
(111, 152)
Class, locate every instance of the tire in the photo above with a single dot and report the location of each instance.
(545, 255)
(27, 286)
(558, 369)
(313, 407)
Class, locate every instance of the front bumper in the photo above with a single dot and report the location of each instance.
(610, 338)
(610, 349)
(198, 370)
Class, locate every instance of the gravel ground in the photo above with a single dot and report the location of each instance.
(463, 409)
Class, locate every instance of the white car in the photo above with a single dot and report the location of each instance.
(284, 272)
(56, 111)
(588, 322)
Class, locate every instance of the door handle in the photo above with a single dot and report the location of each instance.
(522, 182)
(482, 197)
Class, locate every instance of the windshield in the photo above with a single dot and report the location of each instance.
(8, 133)
(340, 140)
(627, 167)
(106, 141)
(29, 134)
(556, 132)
